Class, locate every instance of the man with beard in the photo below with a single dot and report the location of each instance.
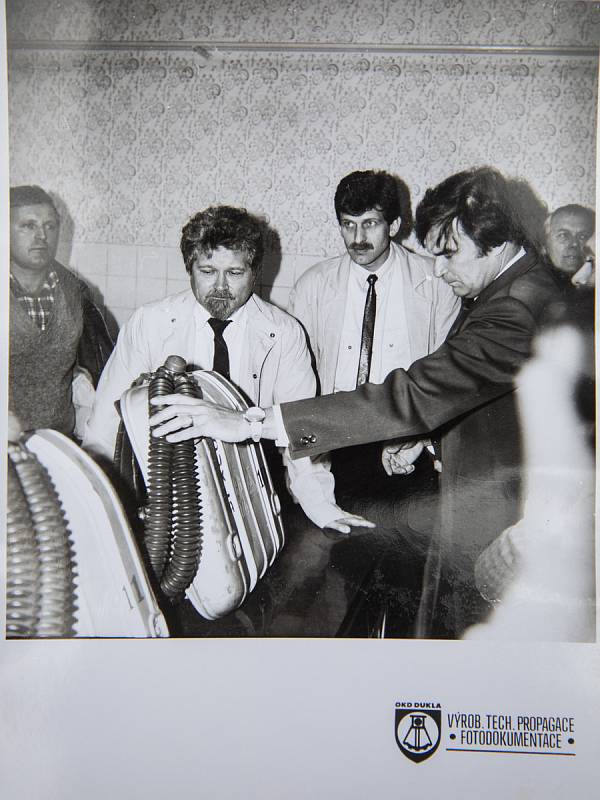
(220, 324)
(374, 309)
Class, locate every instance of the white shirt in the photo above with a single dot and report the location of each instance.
(513, 260)
(390, 331)
(269, 361)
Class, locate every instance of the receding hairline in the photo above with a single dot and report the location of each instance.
(571, 211)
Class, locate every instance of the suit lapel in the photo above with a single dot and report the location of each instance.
(408, 282)
(520, 267)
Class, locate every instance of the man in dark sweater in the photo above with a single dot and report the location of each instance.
(56, 332)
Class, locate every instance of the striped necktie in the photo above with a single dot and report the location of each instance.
(368, 328)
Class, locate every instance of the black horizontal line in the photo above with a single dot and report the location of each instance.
(509, 752)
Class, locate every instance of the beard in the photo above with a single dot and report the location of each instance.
(219, 305)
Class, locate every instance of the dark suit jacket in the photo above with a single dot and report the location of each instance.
(463, 394)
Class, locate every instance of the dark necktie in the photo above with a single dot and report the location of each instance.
(366, 338)
(221, 357)
(466, 305)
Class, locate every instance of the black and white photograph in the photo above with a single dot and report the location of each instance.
(299, 372)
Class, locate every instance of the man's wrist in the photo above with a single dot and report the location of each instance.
(257, 424)
(255, 418)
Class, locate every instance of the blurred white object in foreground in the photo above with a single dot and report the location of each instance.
(540, 573)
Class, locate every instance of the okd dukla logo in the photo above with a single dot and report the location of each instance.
(418, 729)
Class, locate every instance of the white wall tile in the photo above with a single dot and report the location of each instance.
(149, 289)
(278, 295)
(284, 275)
(302, 263)
(122, 259)
(90, 259)
(175, 265)
(121, 315)
(291, 267)
(174, 286)
(120, 291)
(152, 262)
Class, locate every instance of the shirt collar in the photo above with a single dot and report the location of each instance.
(48, 286)
(513, 260)
(362, 274)
(522, 252)
(236, 318)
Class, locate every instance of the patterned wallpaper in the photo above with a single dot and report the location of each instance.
(480, 22)
(134, 140)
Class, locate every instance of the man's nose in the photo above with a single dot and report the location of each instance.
(40, 233)
(359, 234)
(440, 266)
(221, 280)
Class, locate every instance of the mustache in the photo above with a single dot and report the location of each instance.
(359, 248)
(220, 296)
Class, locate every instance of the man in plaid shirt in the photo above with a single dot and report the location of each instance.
(58, 338)
(38, 306)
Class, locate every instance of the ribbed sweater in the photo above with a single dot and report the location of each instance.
(41, 362)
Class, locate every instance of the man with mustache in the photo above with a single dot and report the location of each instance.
(219, 323)
(58, 338)
(374, 309)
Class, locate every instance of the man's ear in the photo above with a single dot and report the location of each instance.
(395, 227)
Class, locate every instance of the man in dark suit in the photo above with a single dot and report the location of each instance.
(462, 395)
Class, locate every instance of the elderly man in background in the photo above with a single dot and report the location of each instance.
(568, 233)
(462, 395)
(59, 342)
(220, 324)
(374, 309)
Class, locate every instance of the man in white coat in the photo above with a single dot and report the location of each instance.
(374, 309)
(219, 323)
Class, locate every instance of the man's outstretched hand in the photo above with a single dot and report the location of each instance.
(348, 521)
(189, 418)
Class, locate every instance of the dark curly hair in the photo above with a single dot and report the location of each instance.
(482, 202)
(361, 191)
(223, 226)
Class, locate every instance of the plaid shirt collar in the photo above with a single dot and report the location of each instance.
(39, 305)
